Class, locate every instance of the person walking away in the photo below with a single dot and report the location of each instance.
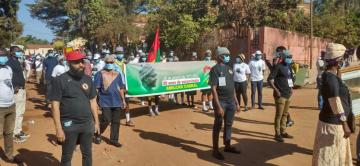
(49, 64)
(38, 69)
(320, 65)
(223, 91)
(332, 143)
(241, 73)
(257, 68)
(206, 93)
(87, 64)
(110, 88)
(60, 68)
(281, 80)
(7, 108)
(18, 82)
(74, 109)
(120, 68)
(156, 100)
(190, 95)
(28, 64)
(98, 64)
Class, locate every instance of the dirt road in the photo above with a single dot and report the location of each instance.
(181, 136)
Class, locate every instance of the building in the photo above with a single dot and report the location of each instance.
(37, 49)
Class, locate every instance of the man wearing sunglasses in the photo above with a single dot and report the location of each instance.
(74, 108)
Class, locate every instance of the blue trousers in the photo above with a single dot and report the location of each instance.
(256, 85)
(319, 96)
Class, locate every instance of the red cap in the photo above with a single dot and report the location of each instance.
(75, 55)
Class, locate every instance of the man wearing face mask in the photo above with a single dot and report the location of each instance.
(223, 90)
(74, 109)
(282, 81)
(61, 68)
(241, 73)
(7, 107)
(87, 64)
(18, 82)
(111, 87)
(206, 93)
(98, 64)
(49, 64)
(257, 68)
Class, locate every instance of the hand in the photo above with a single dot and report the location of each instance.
(220, 111)
(97, 128)
(278, 94)
(238, 108)
(124, 105)
(60, 135)
(347, 131)
(16, 90)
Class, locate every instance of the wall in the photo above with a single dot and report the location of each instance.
(41, 51)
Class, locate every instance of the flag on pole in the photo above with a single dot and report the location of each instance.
(154, 53)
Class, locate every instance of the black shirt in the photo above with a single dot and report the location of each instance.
(332, 86)
(18, 79)
(280, 74)
(74, 97)
(225, 93)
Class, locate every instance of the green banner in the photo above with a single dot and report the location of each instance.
(148, 79)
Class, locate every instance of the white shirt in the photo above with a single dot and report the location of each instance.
(240, 71)
(257, 68)
(7, 90)
(28, 65)
(58, 70)
(100, 65)
(38, 65)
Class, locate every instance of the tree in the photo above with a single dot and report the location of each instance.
(10, 28)
(29, 39)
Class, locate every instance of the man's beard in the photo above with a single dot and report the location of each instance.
(77, 74)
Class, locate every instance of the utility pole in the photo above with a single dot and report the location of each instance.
(311, 34)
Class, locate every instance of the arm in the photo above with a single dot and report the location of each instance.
(94, 111)
(271, 80)
(56, 117)
(217, 102)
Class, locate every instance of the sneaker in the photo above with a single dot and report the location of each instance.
(15, 160)
(142, 103)
(279, 138)
(157, 112)
(116, 144)
(218, 155)
(152, 114)
(286, 135)
(231, 150)
(290, 123)
(97, 139)
(183, 104)
(262, 108)
(18, 139)
(24, 135)
(129, 123)
(205, 110)
(246, 109)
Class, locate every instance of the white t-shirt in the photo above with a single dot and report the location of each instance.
(240, 71)
(38, 66)
(28, 65)
(7, 90)
(58, 70)
(100, 65)
(257, 68)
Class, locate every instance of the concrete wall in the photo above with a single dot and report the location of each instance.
(41, 51)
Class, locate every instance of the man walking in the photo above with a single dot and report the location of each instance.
(223, 90)
(206, 93)
(111, 88)
(241, 73)
(18, 82)
(257, 68)
(49, 64)
(74, 108)
(281, 80)
(7, 107)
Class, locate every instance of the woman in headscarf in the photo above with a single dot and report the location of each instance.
(332, 144)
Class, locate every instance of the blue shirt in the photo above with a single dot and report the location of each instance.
(49, 64)
(109, 97)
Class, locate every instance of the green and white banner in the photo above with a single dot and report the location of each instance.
(148, 79)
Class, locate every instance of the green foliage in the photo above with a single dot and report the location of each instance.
(10, 28)
(59, 45)
(29, 39)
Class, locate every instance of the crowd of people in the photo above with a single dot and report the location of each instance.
(87, 93)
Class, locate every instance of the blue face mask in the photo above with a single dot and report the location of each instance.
(110, 66)
(226, 58)
(119, 56)
(238, 60)
(143, 59)
(3, 60)
(51, 54)
(65, 63)
(258, 57)
(18, 54)
(208, 58)
(288, 61)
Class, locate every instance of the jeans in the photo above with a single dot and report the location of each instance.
(7, 122)
(20, 100)
(229, 112)
(256, 85)
(78, 133)
(241, 88)
(319, 96)
(111, 115)
(282, 109)
(358, 148)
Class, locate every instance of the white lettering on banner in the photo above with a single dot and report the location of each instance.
(180, 81)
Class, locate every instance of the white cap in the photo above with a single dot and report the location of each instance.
(258, 52)
(96, 56)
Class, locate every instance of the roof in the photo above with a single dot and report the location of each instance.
(37, 46)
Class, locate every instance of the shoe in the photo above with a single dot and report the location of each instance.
(157, 113)
(97, 139)
(142, 103)
(262, 108)
(15, 160)
(286, 135)
(205, 110)
(129, 123)
(152, 114)
(218, 155)
(279, 138)
(231, 150)
(18, 139)
(290, 123)
(24, 135)
(116, 144)
(246, 109)
(183, 104)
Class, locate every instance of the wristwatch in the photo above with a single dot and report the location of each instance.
(342, 117)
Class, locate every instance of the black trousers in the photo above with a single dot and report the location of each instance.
(241, 90)
(229, 108)
(78, 133)
(156, 100)
(111, 115)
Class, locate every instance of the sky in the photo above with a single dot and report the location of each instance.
(33, 26)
